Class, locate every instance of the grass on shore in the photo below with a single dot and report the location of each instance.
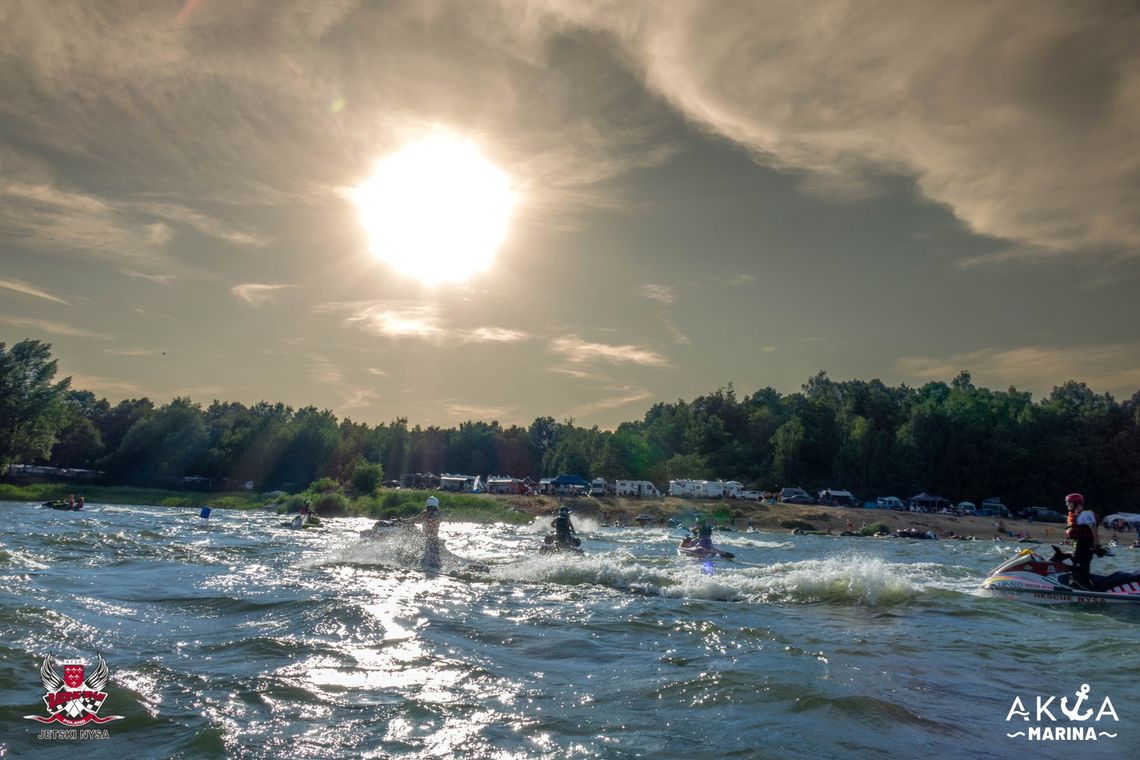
(384, 505)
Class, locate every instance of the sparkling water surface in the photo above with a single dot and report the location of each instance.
(245, 638)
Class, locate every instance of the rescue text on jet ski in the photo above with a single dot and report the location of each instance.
(1029, 577)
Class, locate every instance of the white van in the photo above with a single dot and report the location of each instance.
(890, 502)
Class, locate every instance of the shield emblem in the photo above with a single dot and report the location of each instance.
(73, 676)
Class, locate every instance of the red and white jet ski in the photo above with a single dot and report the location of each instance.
(1029, 577)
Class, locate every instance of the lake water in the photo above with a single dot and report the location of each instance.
(247, 639)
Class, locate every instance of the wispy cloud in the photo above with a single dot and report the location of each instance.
(113, 387)
(256, 294)
(19, 286)
(398, 320)
(52, 327)
(462, 411)
(1034, 368)
(325, 373)
(574, 349)
(415, 319)
(129, 352)
(1019, 118)
(356, 398)
(660, 293)
(617, 397)
(495, 335)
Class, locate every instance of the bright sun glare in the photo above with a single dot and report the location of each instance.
(436, 210)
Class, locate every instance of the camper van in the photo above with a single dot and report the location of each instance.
(636, 489)
(598, 487)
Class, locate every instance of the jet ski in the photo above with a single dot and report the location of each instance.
(690, 547)
(551, 545)
(381, 529)
(63, 505)
(1028, 576)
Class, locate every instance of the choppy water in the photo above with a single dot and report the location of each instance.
(247, 639)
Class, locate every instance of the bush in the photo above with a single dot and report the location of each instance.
(874, 529)
(366, 477)
(794, 524)
(324, 485)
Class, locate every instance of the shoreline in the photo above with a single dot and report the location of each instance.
(773, 517)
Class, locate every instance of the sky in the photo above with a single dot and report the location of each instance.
(601, 206)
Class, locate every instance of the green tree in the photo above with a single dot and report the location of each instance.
(366, 477)
(163, 446)
(31, 405)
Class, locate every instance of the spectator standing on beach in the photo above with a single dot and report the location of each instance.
(1082, 532)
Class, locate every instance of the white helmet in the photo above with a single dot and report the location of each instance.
(432, 502)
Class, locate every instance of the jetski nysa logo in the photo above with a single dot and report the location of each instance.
(76, 698)
(1079, 719)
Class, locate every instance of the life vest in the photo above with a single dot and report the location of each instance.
(1078, 532)
(562, 526)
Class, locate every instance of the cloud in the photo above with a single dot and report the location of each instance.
(391, 319)
(134, 235)
(356, 398)
(256, 294)
(52, 327)
(1020, 117)
(573, 349)
(131, 352)
(325, 373)
(660, 293)
(620, 396)
(462, 411)
(415, 319)
(20, 286)
(113, 387)
(1034, 368)
(496, 335)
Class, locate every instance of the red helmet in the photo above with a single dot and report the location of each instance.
(1075, 498)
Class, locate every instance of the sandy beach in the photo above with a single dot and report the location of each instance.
(781, 517)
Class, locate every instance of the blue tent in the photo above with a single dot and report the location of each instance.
(569, 481)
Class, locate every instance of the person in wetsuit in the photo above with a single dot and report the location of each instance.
(704, 533)
(564, 529)
(431, 519)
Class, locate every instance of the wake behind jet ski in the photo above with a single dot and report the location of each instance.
(1029, 577)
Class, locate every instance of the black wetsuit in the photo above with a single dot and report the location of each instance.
(563, 530)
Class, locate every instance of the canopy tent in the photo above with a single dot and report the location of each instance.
(1122, 521)
(569, 480)
(837, 497)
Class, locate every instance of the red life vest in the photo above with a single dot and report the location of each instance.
(1078, 532)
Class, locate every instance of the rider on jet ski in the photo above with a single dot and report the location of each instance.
(1082, 531)
(564, 529)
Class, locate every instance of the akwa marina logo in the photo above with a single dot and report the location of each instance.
(1084, 722)
(74, 699)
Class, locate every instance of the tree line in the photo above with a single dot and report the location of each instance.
(954, 439)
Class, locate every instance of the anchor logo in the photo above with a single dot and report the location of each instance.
(1075, 713)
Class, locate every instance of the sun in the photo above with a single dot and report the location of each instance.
(437, 209)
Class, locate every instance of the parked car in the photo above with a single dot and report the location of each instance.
(967, 508)
(890, 502)
(796, 496)
(1043, 514)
